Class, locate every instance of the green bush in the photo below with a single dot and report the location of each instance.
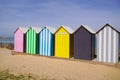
(6, 75)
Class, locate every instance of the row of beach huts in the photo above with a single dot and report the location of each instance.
(83, 43)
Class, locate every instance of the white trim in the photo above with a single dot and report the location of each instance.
(89, 29)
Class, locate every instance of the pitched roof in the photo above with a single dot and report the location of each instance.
(23, 29)
(107, 25)
(87, 28)
(37, 29)
(68, 29)
(52, 29)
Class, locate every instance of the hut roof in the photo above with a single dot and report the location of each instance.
(52, 29)
(107, 25)
(37, 29)
(88, 28)
(68, 29)
(23, 29)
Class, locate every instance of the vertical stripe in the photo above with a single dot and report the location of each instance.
(100, 46)
(112, 45)
(49, 41)
(115, 43)
(117, 47)
(27, 42)
(51, 44)
(35, 43)
(109, 44)
(48, 48)
(104, 45)
(46, 41)
(32, 47)
(43, 41)
(29, 39)
(40, 43)
(97, 46)
(48, 53)
(107, 31)
(33, 51)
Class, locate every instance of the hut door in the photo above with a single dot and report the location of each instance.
(64, 52)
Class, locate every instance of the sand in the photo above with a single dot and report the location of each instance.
(60, 69)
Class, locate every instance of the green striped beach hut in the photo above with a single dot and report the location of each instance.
(32, 40)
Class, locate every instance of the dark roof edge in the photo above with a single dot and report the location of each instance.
(84, 28)
(105, 26)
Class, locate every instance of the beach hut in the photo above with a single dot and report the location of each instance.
(107, 44)
(32, 40)
(46, 41)
(84, 43)
(64, 42)
(19, 39)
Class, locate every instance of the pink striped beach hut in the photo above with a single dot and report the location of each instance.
(19, 39)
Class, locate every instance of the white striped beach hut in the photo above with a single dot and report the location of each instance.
(107, 44)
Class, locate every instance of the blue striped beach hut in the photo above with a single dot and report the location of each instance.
(46, 39)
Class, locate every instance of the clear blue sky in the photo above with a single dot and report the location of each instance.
(72, 13)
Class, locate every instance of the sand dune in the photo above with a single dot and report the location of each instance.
(60, 69)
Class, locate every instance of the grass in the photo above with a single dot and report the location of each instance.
(6, 75)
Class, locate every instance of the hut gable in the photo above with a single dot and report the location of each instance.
(37, 29)
(68, 29)
(107, 25)
(22, 29)
(65, 29)
(86, 28)
(51, 29)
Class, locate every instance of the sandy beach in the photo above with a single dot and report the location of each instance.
(59, 69)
